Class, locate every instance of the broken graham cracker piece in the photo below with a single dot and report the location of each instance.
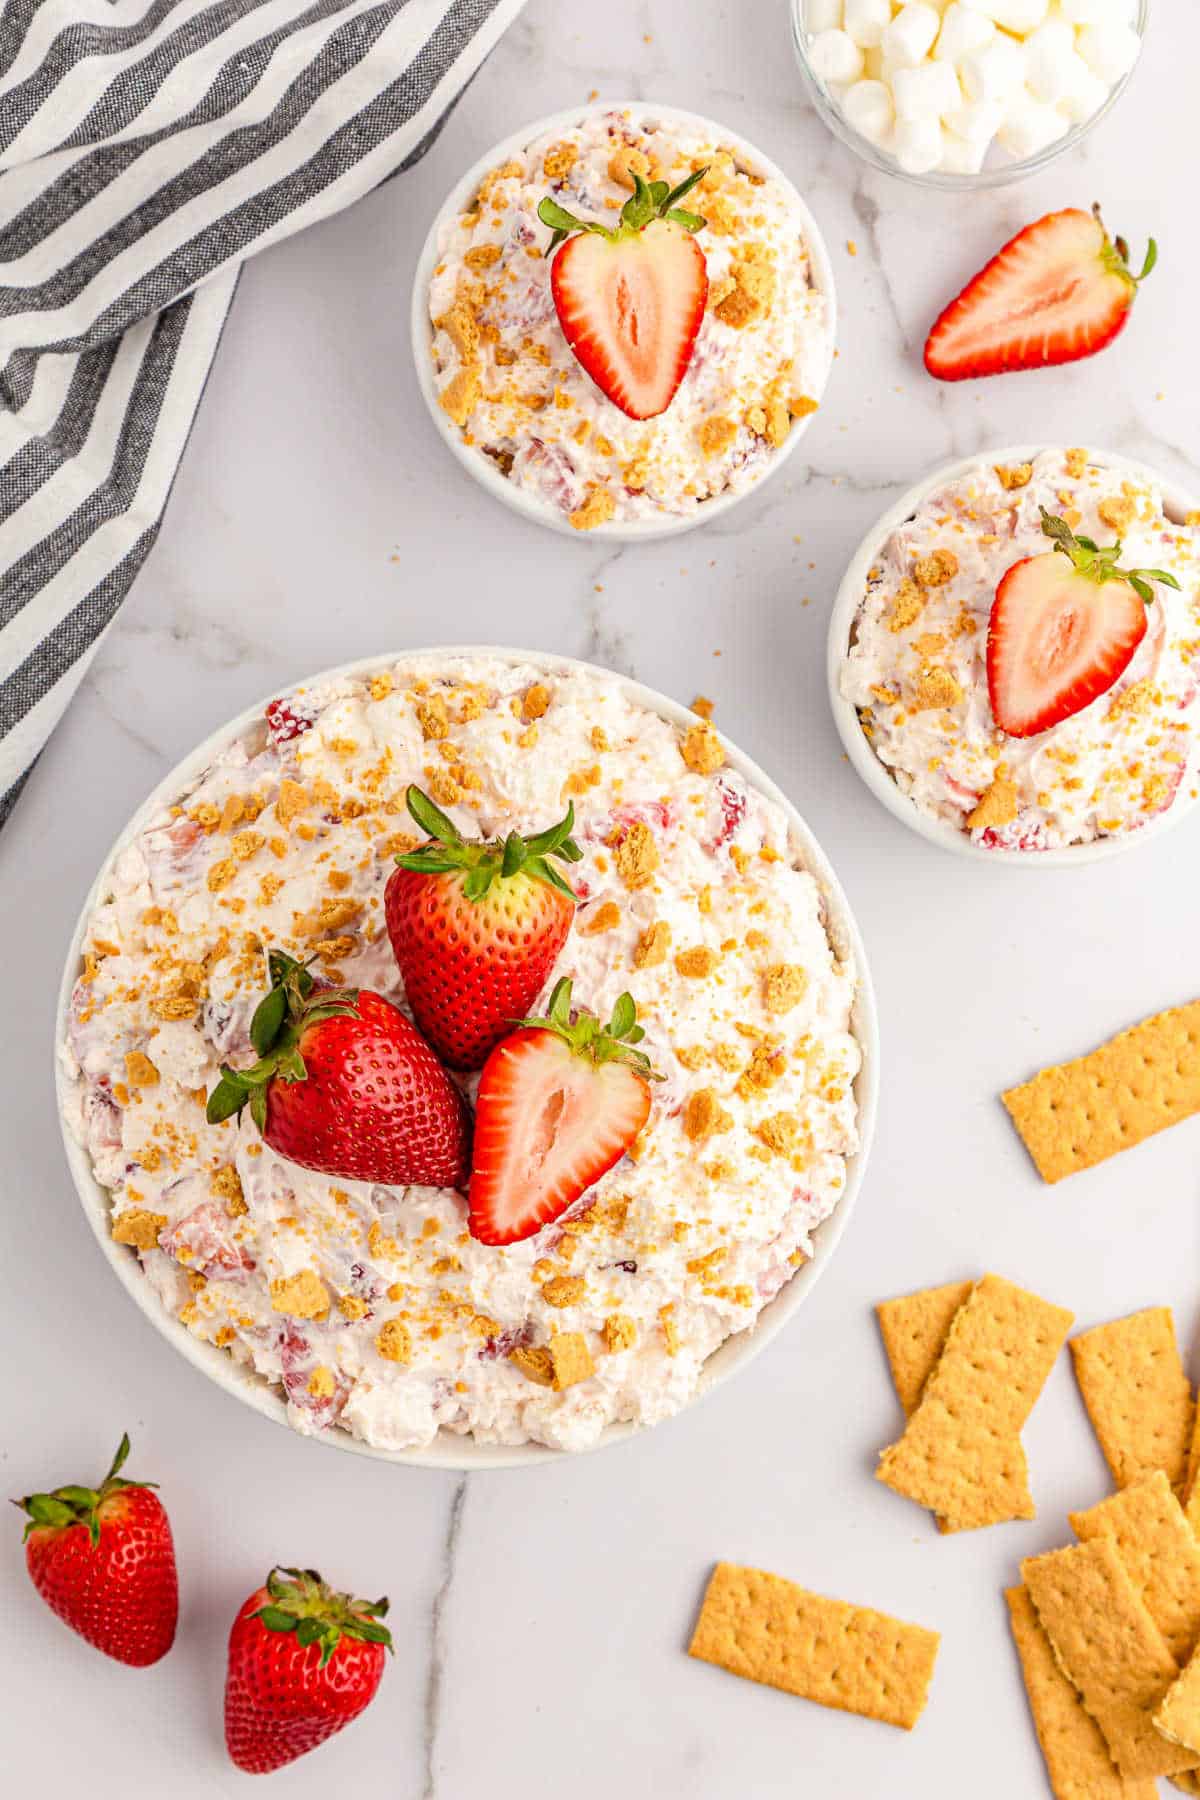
(1080, 1113)
(1106, 1641)
(960, 1454)
(1178, 1718)
(1137, 1396)
(1077, 1761)
(769, 1630)
(1160, 1552)
(914, 1330)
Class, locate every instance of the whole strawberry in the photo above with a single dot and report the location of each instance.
(103, 1560)
(476, 928)
(303, 1662)
(347, 1085)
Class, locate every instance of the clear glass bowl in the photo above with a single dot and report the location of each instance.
(999, 170)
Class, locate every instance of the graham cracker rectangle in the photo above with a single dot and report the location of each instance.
(1178, 1718)
(1073, 1747)
(1106, 1641)
(1137, 1396)
(767, 1629)
(960, 1454)
(914, 1331)
(1078, 1114)
(1161, 1555)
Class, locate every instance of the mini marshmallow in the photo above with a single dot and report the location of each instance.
(978, 121)
(1085, 94)
(927, 92)
(1019, 16)
(835, 57)
(822, 15)
(994, 72)
(960, 156)
(909, 37)
(866, 21)
(1030, 125)
(868, 107)
(962, 31)
(917, 145)
(1109, 51)
(1049, 59)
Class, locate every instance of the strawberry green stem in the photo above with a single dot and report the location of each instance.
(290, 1006)
(482, 864)
(586, 1036)
(649, 201)
(72, 1505)
(299, 1601)
(1101, 564)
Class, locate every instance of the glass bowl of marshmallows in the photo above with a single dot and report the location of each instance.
(969, 94)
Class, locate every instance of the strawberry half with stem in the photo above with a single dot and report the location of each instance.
(346, 1084)
(630, 298)
(103, 1560)
(559, 1102)
(1063, 628)
(303, 1663)
(476, 928)
(1060, 290)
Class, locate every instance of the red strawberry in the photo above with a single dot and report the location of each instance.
(476, 929)
(1061, 289)
(1063, 628)
(345, 1084)
(103, 1560)
(630, 299)
(559, 1102)
(303, 1662)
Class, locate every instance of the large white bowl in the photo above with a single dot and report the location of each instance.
(450, 1451)
(489, 477)
(1177, 504)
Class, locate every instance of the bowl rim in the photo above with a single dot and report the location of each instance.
(489, 478)
(1176, 499)
(448, 1450)
(942, 180)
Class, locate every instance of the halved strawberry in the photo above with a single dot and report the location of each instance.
(1060, 290)
(559, 1102)
(476, 928)
(1063, 627)
(630, 299)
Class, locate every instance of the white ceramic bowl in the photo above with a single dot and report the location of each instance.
(1177, 503)
(450, 1451)
(489, 477)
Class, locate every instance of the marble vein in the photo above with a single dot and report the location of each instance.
(437, 1638)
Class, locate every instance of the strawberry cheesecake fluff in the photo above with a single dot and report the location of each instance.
(927, 689)
(377, 1307)
(510, 381)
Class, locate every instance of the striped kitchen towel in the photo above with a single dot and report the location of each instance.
(147, 147)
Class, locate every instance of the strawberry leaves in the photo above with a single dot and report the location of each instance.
(72, 1505)
(649, 200)
(1101, 564)
(482, 864)
(586, 1036)
(290, 1007)
(300, 1602)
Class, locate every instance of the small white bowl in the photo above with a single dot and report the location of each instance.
(484, 472)
(1176, 502)
(450, 1451)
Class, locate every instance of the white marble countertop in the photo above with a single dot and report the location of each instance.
(540, 1615)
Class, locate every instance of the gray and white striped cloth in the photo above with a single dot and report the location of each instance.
(147, 147)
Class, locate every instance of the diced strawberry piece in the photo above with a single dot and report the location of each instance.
(204, 1244)
(1060, 290)
(733, 810)
(289, 717)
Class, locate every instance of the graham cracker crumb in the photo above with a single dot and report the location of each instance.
(394, 1341)
(321, 1383)
(457, 399)
(1118, 512)
(702, 750)
(703, 1116)
(1076, 462)
(139, 1070)
(715, 434)
(226, 1183)
(597, 509)
(536, 701)
(636, 855)
(997, 805)
(138, 1227)
(784, 986)
(301, 1296)
(1017, 475)
(622, 161)
(605, 917)
(652, 947)
(936, 569)
(620, 1333)
(936, 687)
(697, 962)
(559, 160)
(564, 1290)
